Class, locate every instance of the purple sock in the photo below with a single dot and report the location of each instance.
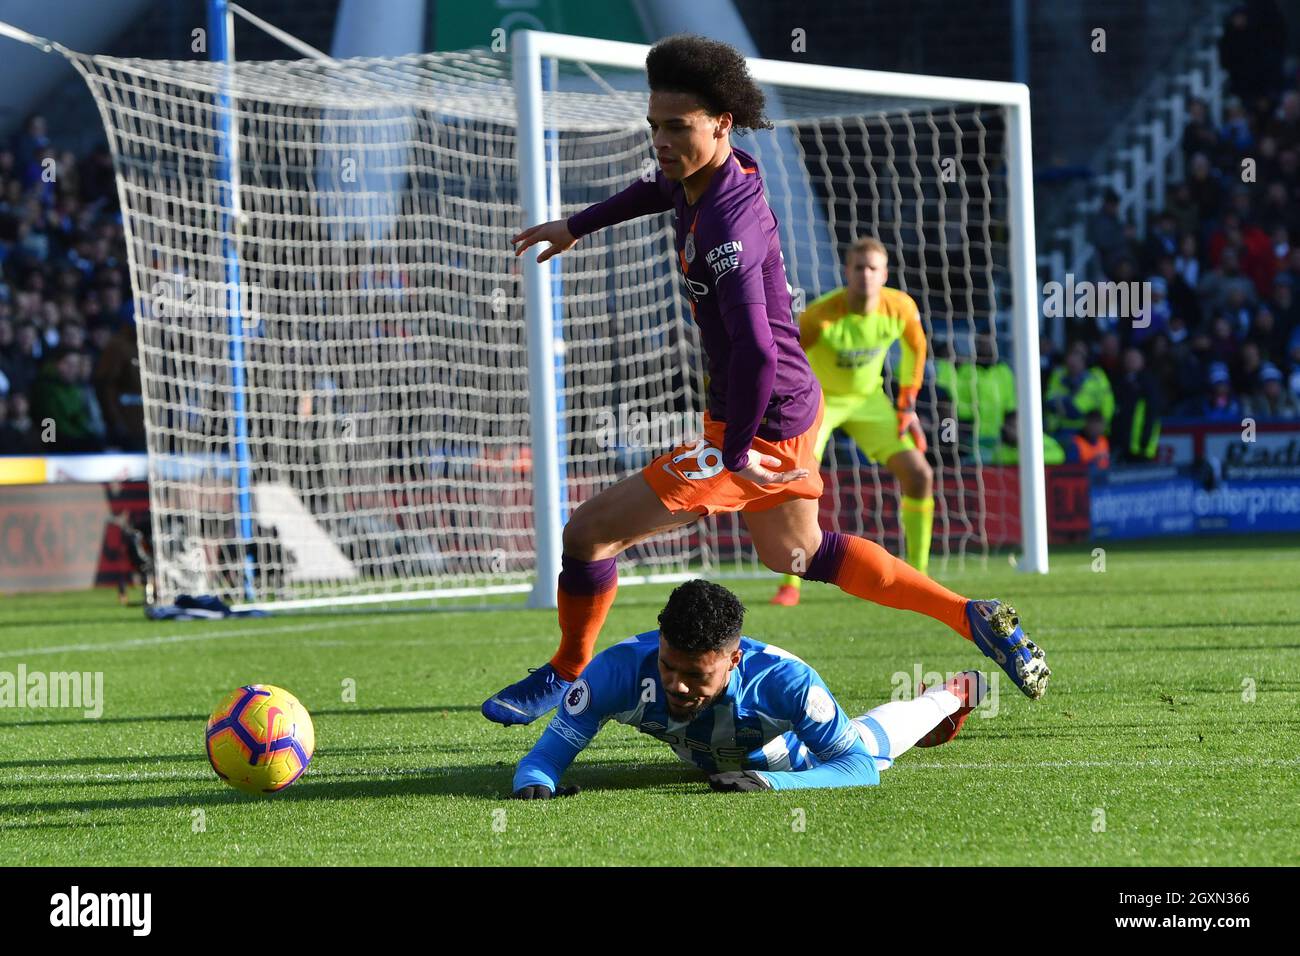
(585, 578)
(825, 564)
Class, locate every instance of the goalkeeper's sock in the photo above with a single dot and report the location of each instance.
(918, 522)
(866, 570)
(895, 727)
(793, 580)
(586, 591)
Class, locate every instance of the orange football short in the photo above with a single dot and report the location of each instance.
(693, 478)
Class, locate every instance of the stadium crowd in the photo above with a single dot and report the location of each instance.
(1220, 340)
(67, 334)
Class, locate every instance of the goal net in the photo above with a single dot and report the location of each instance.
(341, 391)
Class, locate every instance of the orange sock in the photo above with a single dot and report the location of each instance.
(866, 570)
(585, 595)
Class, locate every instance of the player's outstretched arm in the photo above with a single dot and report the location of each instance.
(603, 688)
(538, 775)
(642, 198)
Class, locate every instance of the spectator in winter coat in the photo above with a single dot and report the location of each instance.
(1090, 446)
(1162, 241)
(117, 383)
(1184, 304)
(1252, 48)
(1220, 405)
(1199, 134)
(1139, 404)
(1205, 188)
(58, 398)
(1073, 391)
(1216, 284)
(1106, 232)
(16, 436)
(1272, 399)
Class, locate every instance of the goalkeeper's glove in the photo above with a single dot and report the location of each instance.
(540, 791)
(908, 423)
(737, 781)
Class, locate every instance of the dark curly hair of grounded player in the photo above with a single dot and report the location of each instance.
(701, 616)
(714, 73)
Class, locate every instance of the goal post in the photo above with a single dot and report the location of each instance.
(355, 393)
(536, 193)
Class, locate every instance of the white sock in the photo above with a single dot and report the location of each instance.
(893, 728)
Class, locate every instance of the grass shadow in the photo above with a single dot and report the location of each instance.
(488, 783)
(202, 718)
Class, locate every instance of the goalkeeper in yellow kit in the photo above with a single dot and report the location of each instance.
(847, 334)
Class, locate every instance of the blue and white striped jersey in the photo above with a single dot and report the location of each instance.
(776, 716)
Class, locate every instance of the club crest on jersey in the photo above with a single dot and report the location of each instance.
(577, 697)
(722, 259)
(820, 707)
(688, 250)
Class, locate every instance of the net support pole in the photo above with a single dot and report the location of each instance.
(1024, 329)
(539, 315)
(221, 40)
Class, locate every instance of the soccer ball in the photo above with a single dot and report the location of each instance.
(260, 739)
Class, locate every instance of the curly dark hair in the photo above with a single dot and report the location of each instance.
(714, 73)
(701, 616)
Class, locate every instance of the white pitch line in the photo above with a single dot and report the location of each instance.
(140, 776)
(146, 775)
(1048, 764)
(139, 642)
(442, 640)
(130, 777)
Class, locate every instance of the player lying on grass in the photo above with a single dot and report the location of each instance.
(751, 715)
(765, 406)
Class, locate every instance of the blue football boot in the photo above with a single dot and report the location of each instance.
(526, 700)
(997, 633)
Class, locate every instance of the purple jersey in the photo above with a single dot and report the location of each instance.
(729, 253)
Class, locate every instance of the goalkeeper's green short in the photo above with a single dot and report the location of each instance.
(869, 420)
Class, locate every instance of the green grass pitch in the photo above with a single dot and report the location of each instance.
(1167, 735)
